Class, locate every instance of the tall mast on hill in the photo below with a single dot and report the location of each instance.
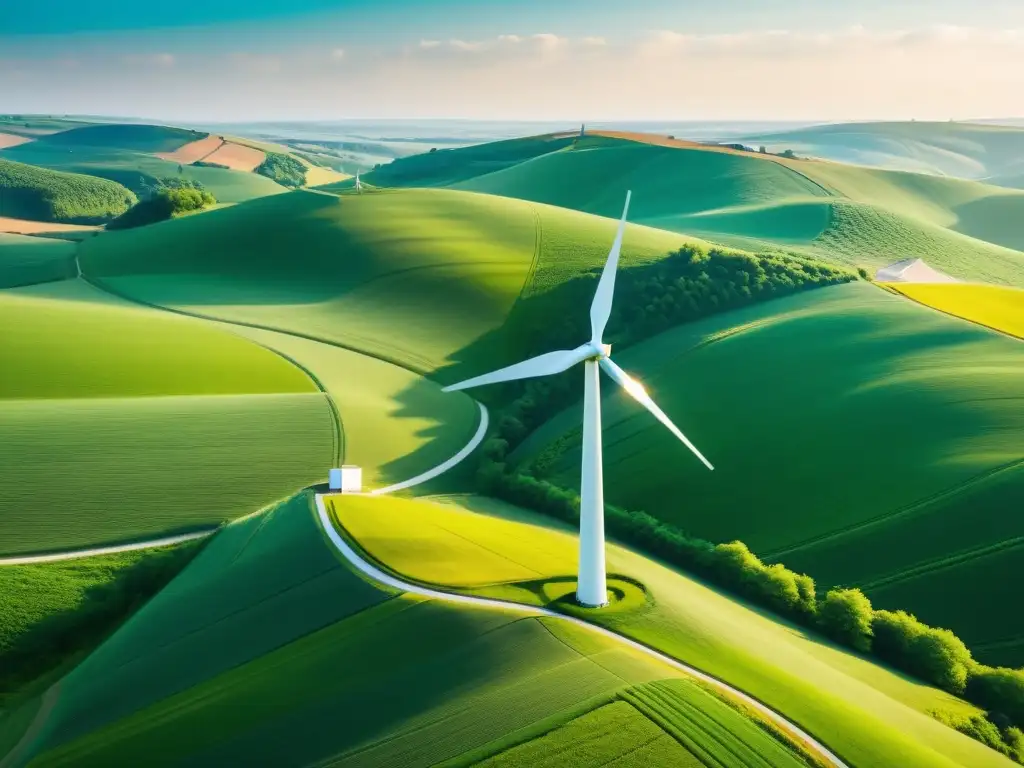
(591, 588)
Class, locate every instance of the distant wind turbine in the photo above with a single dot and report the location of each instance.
(359, 184)
(591, 587)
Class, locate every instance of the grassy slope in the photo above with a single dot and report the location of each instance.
(951, 149)
(110, 408)
(409, 276)
(284, 650)
(137, 169)
(916, 396)
(870, 716)
(856, 216)
(396, 424)
(25, 260)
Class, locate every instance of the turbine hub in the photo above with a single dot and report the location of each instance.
(601, 350)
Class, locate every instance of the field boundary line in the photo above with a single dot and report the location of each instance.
(111, 550)
(899, 513)
(375, 574)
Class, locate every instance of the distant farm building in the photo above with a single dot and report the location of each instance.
(912, 271)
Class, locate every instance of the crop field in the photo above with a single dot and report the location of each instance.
(108, 408)
(80, 349)
(285, 649)
(395, 423)
(867, 714)
(995, 307)
(444, 543)
(140, 138)
(921, 397)
(137, 170)
(25, 260)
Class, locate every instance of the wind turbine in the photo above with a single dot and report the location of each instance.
(359, 184)
(591, 588)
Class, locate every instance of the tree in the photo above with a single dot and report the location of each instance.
(763, 149)
(845, 615)
(789, 154)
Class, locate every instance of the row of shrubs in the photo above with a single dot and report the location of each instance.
(936, 656)
(171, 198)
(40, 194)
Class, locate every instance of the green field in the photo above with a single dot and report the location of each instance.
(413, 277)
(25, 260)
(137, 169)
(27, 192)
(395, 424)
(846, 214)
(285, 650)
(53, 614)
(120, 423)
(867, 714)
(929, 461)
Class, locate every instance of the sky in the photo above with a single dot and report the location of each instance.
(574, 60)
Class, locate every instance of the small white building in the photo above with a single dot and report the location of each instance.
(346, 479)
(912, 271)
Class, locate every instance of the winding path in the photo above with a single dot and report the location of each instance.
(375, 574)
(93, 551)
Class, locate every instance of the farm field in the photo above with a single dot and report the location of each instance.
(322, 655)
(929, 399)
(418, 296)
(846, 214)
(395, 424)
(865, 713)
(137, 169)
(995, 307)
(25, 260)
(111, 407)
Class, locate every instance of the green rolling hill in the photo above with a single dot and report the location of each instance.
(410, 276)
(26, 260)
(913, 414)
(846, 214)
(126, 154)
(965, 150)
(138, 423)
(238, 661)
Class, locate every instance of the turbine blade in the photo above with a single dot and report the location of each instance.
(542, 365)
(601, 308)
(638, 393)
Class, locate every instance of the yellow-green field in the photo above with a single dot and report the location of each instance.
(996, 307)
(867, 714)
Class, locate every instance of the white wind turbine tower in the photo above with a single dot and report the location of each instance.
(359, 184)
(591, 589)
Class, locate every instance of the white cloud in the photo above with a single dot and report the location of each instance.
(338, 54)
